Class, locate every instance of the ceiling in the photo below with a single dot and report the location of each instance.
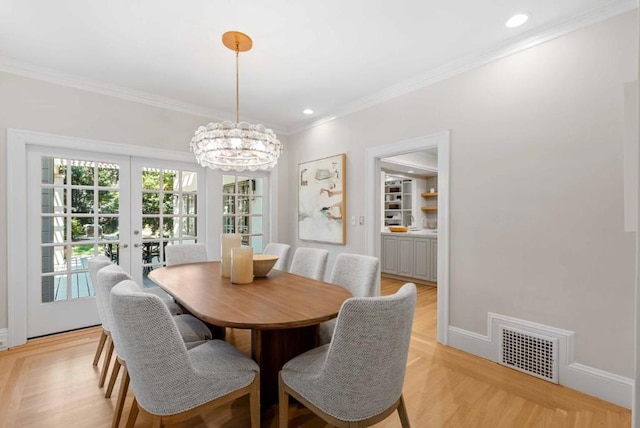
(332, 56)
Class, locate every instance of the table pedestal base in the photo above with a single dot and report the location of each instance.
(271, 349)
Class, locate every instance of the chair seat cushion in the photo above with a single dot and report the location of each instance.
(326, 331)
(192, 329)
(227, 359)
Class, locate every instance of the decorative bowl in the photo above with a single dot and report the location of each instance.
(263, 263)
(398, 228)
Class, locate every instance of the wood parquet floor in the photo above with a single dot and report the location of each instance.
(49, 382)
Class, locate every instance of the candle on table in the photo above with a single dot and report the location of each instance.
(228, 241)
(242, 265)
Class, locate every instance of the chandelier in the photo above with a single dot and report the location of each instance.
(236, 146)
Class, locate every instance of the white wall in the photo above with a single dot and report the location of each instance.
(537, 228)
(45, 107)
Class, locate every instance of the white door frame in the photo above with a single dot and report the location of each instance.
(17, 143)
(372, 238)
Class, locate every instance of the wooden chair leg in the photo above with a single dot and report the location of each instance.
(254, 402)
(107, 360)
(402, 412)
(133, 414)
(114, 375)
(283, 404)
(122, 395)
(157, 422)
(103, 338)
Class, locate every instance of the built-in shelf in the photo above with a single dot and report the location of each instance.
(429, 208)
(429, 195)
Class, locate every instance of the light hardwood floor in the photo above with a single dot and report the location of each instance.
(50, 382)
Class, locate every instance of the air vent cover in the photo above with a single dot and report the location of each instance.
(529, 353)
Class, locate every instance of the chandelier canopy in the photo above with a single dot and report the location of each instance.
(236, 146)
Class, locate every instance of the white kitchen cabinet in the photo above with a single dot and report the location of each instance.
(405, 256)
(389, 250)
(411, 256)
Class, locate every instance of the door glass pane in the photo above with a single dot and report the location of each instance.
(53, 200)
(108, 175)
(53, 230)
(243, 205)
(82, 173)
(54, 288)
(170, 203)
(54, 259)
(189, 181)
(150, 226)
(150, 203)
(189, 227)
(108, 228)
(150, 179)
(82, 201)
(170, 180)
(256, 224)
(171, 227)
(108, 201)
(189, 204)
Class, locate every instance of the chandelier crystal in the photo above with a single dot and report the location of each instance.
(236, 145)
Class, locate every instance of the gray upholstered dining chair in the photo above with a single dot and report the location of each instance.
(356, 273)
(280, 250)
(170, 382)
(95, 264)
(357, 379)
(106, 343)
(185, 253)
(309, 262)
(192, 331)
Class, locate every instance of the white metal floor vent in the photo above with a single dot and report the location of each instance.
(529, 353)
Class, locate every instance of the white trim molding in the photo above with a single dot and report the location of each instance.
(440, 141)
(589, 380)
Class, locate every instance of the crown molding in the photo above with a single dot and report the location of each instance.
(13, 66)
(525, 41)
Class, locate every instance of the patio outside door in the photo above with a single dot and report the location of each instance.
(84, 204)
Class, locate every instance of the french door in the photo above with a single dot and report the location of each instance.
(83, 204)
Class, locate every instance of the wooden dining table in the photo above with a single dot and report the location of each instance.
(282, 310)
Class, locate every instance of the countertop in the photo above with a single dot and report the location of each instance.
(428, 233)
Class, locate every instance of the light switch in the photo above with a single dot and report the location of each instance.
(361, 220)
(353, 220)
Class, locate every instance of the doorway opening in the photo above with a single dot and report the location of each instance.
(374, 167)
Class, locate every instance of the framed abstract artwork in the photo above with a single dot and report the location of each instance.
(321, 200)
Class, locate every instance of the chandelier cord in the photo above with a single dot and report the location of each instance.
(237, 84)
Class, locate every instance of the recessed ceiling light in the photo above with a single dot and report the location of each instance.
(307, 111)
(517, 20)
(410, 171)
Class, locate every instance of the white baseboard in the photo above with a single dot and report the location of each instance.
(4, 339)
(598, 383)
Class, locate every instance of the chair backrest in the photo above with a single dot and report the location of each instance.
(108, 277)
(367, 357)
(185, 253)
(356, 273)
(280, 250)
(156, 355)
(95, 264)
(309, 262)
